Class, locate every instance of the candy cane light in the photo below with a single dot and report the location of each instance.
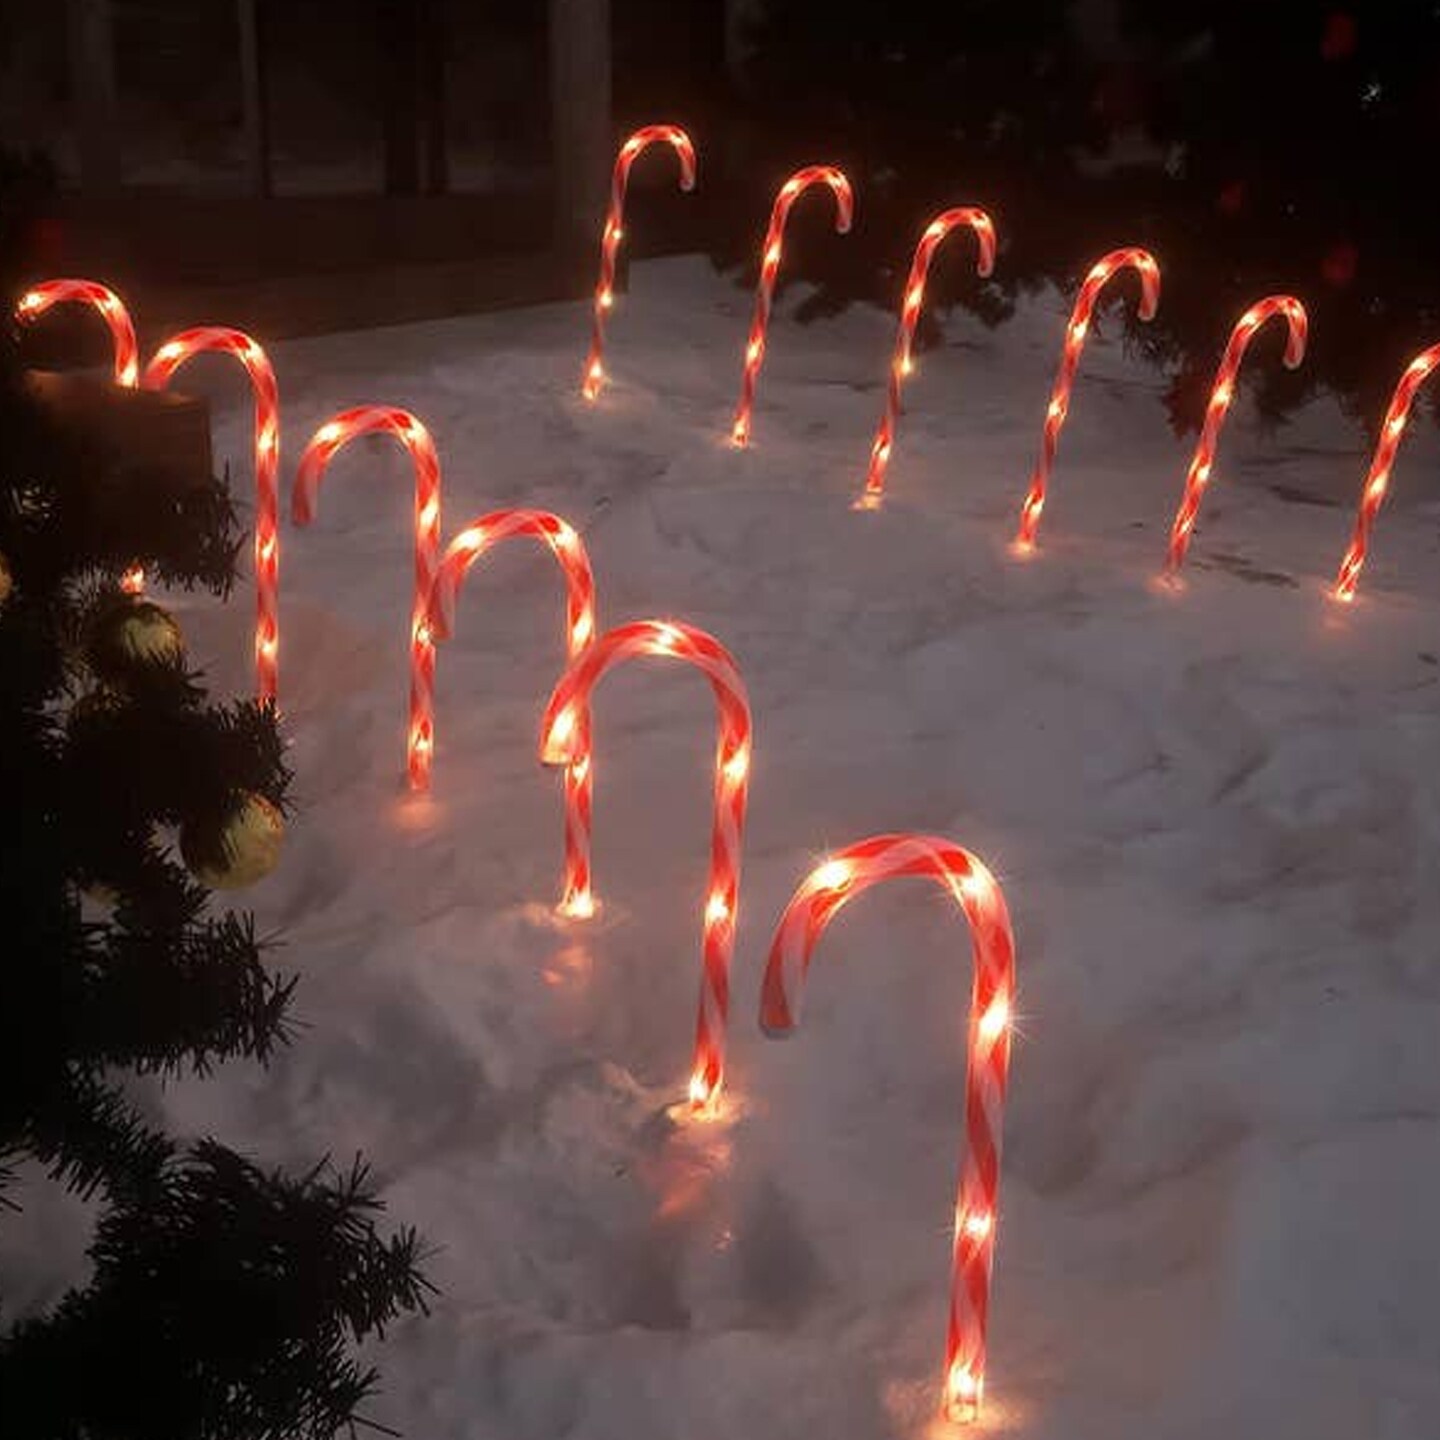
(562, 735)
(1223, 393)
(475, 540)
(901, 363)
(594, 375)
(813, 906)
(39, 298)
(790, 191)
(222, 340)
(1378, 479)
(331, 437)
(1100, 273)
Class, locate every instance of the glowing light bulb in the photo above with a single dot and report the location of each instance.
(328, 433)
(562, 728)
(832, 875)
(579, 906)
(977, 1225)
(607, 299)
(995, 1021)
(717, 910)
(31, 300)
(581, 631)
(472, 538)
(962, 1395)
(737, 767)
(169, 351)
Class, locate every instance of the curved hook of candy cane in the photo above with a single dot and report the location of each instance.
(333, 435)
(464, 550)
(901, 363)
(561, 737)
(1378, 478)
(39, 298)
(1131, 257)
(221, 339)
(840, 878)
(790, 191)
(593, 376)
(1220, 397)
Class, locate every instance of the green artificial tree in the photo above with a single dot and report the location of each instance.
(223, 1301)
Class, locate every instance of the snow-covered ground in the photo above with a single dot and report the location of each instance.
(1215, 815)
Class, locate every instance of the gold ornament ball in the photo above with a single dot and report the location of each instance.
(247, 848)
(149, 634)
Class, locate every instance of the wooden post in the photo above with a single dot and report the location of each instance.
(581, 124)
(94, 101)
(256, 120)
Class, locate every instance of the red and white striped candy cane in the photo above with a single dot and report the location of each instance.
(222, 340)
(770, 267)
(901, 363)
(1220, 398)
(463, 551)
(672, 135)
(336, 432)
(1378, 479)
(1131, 257)
(561, 736)
(813, 906)
(39, 298)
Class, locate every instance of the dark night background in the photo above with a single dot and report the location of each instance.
(1253, 147)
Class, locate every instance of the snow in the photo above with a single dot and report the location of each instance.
(1214, 813)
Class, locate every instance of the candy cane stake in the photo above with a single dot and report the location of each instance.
(37, 300)
(1220, 398)
(594, 375)
(222, 340)
(770, 267)
(810, 910)
(1134, 258)
(1378, 479)
(562, 733)
(901, 363)
(336, 432)
(463, 551)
